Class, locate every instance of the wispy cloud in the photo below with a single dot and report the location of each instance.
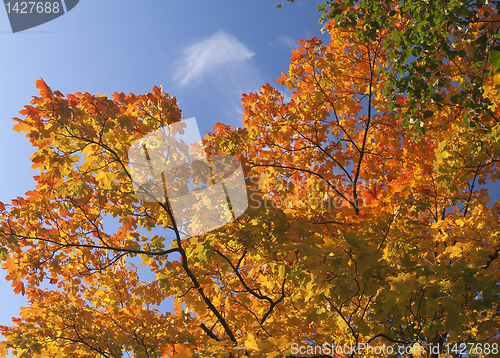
(287, 94)
(203, 57)
(216, 71)
(287, 41)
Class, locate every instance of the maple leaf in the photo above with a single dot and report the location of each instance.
(19, 288)
(182, 351)
(42, 86)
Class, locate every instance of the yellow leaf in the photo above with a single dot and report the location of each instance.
(455, 251)
(182, 351)
(20, 126)
(251, 343)
(105, 179)
(417, 350)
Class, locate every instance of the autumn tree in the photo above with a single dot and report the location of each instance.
(422, 35)
(356, 232)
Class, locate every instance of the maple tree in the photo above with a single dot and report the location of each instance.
(432, 33)
(357, 231)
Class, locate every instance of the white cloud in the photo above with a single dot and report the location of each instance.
(287, 95)
(216, 71)
(287, 41)
(203, 57)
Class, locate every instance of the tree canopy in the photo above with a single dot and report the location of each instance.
(422, 36)
(360, 228)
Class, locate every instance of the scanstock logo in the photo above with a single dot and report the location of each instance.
(27, 14)
(203, 192)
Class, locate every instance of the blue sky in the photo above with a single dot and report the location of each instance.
(206, 53)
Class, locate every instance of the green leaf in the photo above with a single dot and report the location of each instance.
(282, 271)
(164, 280)
(13, 240)
(3, 253)
(146, 259)
(204, 252)
(494, 59)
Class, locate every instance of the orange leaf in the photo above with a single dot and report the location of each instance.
(19, 288)
(42, 86)
(20, 126)
(182, 351)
